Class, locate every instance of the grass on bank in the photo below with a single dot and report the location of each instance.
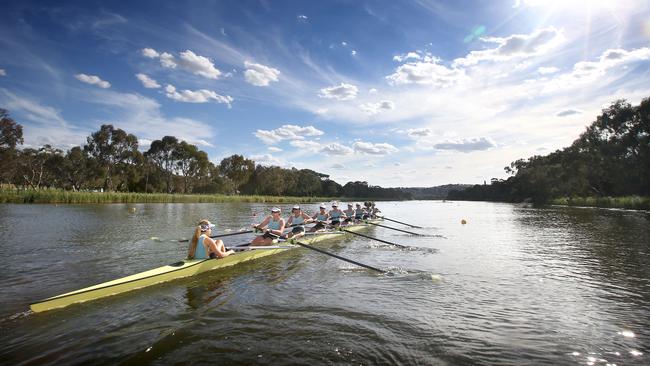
(627, 202)
(62, 196)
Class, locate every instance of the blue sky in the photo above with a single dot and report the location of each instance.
(416, 93)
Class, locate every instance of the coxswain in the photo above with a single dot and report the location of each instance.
(203, 247)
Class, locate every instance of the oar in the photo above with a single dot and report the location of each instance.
(373, 238)
(392, 228)
(338, 257)
(222, 235)
(399, 222)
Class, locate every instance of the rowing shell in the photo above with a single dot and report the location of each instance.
(176, 270)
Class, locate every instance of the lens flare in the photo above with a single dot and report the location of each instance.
(477, 32)
(646, 28)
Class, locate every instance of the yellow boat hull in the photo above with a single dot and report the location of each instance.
(185, 268)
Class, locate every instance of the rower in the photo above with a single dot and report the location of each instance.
(336, 215)
(366, 210)
(321, 218)
(374, 210)
(358, 212)
(297, 219)
(273, 226)
(349, 213)
(203, 247)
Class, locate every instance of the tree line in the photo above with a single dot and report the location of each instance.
(111, 161)
(611, 158)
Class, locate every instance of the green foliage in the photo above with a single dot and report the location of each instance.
(611, 158)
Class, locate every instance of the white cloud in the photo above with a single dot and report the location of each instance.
(287, 132)
(516, 45)
(372, 91)
(93, 80)
(274, 149)
(429, 71)
(353, 52)
(196, 96)
(568, 112)
(466, 145)
(344, 44)
(150, 53)
(375, 108)
(147, 82)
(336, 149)
(167, 60)
(418, 132)
(196, 64)
(407, 56)
(3, 72)
(373, 149)
(267, 160)
(260, 75)
(306, 144)
(302, 18)
(337, 166)
(547, 70)
(199, 65)
(342, 91)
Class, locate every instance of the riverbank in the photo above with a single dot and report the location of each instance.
(626, 202)
(62, 196)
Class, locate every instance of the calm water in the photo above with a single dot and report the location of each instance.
(517, 286)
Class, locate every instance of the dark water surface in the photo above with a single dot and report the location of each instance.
(515, 286)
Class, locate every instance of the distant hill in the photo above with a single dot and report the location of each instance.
(433, 193)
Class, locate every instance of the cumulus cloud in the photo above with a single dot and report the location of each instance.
(267, 160)
(150, 53)
(426, 71)
(568, 112)
(3, 72)
(516, 45)
(188, 60)
(407, 56)
(274, 149)
(466, 145)
(287, 132)
(199, 65)
(374, 108)
(306, 144)
(547, 70)
(93, 80)
(418, 132)
(147, 82)
(336, 149)
(342, 91)
(373, 149)
(302, 18)
(260, 75)
(196, 96)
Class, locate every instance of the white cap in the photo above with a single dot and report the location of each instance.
(275, 209)
(296, 207)
(358, 204)
(349, 204)
(206, 227)
(322, 205)
(334, 204)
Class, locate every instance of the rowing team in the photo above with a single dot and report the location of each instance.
(203, 247)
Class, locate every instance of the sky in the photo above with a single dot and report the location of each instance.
(396, 93)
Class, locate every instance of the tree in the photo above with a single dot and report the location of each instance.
(11, 135)
(112, 148)
(238, 169)
(163, 153)
(192, 164)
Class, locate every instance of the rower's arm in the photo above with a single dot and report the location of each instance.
(263, 224)
(281, 229)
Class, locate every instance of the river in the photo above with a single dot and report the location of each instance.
(512, 286)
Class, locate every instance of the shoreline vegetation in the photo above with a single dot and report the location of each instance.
(71, 197)
(627, 202)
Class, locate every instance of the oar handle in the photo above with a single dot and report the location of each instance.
(373, 238)
(339, 257)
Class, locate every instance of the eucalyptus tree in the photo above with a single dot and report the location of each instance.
(238, 169)
(114, 151)
(11, 135)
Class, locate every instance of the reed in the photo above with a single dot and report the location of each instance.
(62, 196)
(627, 202)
